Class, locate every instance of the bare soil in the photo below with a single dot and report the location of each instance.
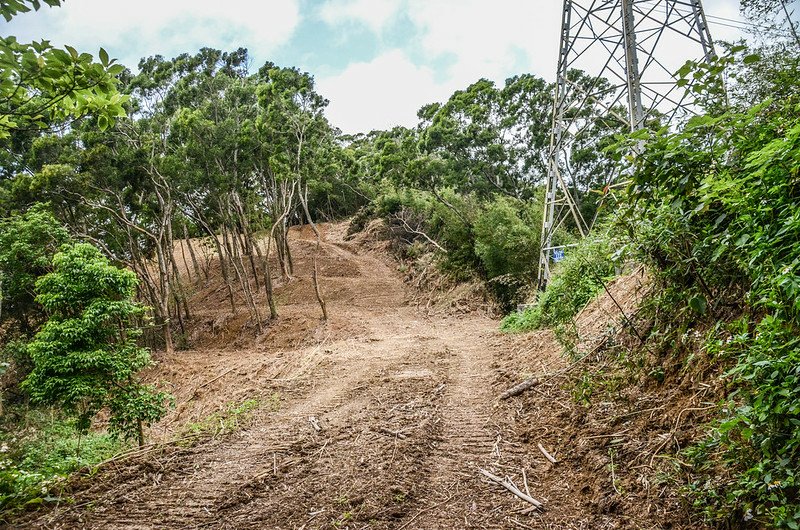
(379, 418)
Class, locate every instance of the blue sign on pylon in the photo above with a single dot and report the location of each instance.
(558, 254)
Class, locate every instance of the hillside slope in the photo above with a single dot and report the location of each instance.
(381, 418)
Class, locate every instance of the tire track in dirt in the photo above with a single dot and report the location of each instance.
(405, 409)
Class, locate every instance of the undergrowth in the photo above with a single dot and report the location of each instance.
(491, 238)
(716, 214)
(39, 449)
(232, 417)
(575, 281)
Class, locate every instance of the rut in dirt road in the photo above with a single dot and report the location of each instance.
(380, 419)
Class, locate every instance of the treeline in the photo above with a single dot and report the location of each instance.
(116, 207)
(214, 151)
(468, 180)
(210, 150)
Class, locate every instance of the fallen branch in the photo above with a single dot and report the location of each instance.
(534, 381)
(223, 374)
(314, 423)
(520, 388)
(510, 487)
(419, 233)
(394, 434)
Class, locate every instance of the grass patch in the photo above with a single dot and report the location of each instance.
(575, 281)
(39, 449)
(232, 417)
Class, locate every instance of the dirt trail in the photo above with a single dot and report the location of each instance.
(379, 419)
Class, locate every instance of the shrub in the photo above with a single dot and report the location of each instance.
(85, 357)
(575, 281)
(27, 245)
(507, 241)
(38, 450)
(717, 216)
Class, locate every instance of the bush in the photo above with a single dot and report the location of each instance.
(27, 245)
(575, 281)
(507, 241)
(717, 216)
(38, 450)
(85, 357)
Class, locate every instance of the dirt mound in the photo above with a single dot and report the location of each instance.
(614, 433)
(432, 291)
(350, 277)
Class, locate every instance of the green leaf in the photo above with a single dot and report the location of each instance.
(752, 58)
(698, 304)
(103, 57)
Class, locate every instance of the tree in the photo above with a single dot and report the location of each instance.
(41, 85)
(775, 18)
(85, 357)
(27, 245)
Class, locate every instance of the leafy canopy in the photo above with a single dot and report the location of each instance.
(85, 356)
(27, 245)
(41, 85)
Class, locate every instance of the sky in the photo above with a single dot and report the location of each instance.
(377, 61)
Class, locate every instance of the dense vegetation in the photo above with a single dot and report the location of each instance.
(714, 212)
(104, 172)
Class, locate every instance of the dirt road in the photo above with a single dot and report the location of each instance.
(380, 418)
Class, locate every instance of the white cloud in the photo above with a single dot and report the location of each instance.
(474, 38)
(489, 39)
(375, 14)
(131, 30)
(381, 93)
(480, 39)
(506, 37)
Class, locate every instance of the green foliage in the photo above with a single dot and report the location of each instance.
(575, 281)
(716, 213)
(10, 8)
(495, 238)
(85, 356)
(38, 450)
(507, 237)
(41, 85)
(27, 245)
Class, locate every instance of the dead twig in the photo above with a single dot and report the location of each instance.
(507, 484)
(613, 476)
(546, 454)
(394, 434)
(429, 508)
(314, 423)
(535, 381)
(525, 482)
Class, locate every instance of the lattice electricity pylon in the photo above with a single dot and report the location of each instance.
(632, 49)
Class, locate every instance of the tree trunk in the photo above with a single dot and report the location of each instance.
(140, 432)
(223, 265)
(314, 272)
(195, 264)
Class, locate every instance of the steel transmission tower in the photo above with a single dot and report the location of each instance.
(631, 49)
